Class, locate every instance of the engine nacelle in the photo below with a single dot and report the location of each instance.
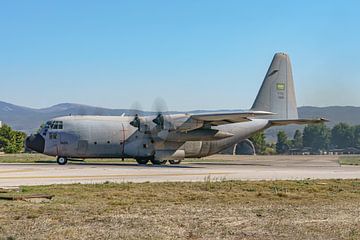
(245, 147)
(197, 148)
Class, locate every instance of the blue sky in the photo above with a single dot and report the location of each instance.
(193, 54)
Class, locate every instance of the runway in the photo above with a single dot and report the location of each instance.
(217, 167)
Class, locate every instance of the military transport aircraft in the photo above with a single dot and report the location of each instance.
(172, 137)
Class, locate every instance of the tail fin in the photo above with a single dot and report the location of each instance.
(277, 93)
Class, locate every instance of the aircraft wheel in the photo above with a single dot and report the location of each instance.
(174, 161)
(61, 160)
(158, 162)
(142, 161)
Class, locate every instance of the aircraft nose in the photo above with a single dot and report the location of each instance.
(35, 142)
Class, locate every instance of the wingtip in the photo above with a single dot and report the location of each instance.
(324, 120)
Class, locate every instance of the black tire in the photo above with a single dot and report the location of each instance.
(62, 160)
(174, 161)
(142, 161)
(158, 162)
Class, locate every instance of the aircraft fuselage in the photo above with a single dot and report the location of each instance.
(115, 137)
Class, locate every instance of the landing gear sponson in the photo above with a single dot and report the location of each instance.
(143, 161)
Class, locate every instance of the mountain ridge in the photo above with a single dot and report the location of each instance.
(28, 119)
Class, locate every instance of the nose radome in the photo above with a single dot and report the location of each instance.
(35, 142)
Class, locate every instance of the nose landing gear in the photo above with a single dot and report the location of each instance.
(61, 160)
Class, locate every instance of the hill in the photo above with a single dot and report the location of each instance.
(29, 119)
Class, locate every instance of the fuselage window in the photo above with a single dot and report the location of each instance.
(53, 135)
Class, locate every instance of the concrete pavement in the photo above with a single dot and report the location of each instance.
(217, 167)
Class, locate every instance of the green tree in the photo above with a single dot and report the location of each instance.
(356, 136)
(5, 131)
(297, 142)
(11, 141)
(17, 139)
(342, 135)
(3, 143)
(282, 144)
(258, 139)
(317, 137)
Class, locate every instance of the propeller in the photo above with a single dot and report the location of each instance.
(160, 107)
(135, 111)
(159, 120)
(145, 125)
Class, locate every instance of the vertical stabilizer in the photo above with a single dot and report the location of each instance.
(277, 92)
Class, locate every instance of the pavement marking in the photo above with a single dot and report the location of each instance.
(120, 175)
(16, 171)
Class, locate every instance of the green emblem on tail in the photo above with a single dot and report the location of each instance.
(280, 86)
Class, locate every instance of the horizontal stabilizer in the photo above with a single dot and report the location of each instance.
(297, 121)
(231, 117)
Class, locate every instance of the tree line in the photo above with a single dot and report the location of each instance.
(317, 137)
(11, 141)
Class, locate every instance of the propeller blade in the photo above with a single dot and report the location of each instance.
(136, 122)
(159, 120)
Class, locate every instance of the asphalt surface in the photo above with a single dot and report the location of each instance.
(215, 168)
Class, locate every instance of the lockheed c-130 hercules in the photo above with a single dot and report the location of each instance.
(172, 137)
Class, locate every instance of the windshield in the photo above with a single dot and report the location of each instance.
(50, 125)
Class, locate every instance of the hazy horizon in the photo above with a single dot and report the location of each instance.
(150, 110)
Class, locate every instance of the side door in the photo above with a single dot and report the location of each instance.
(68, 143)
(53, 142)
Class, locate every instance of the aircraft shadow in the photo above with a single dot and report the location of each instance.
(130, 165)
(124, 164)
(127, 164)
(45, 161)
(231, 164)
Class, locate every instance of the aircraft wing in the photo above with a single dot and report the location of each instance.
(215, 119)
(297, 121)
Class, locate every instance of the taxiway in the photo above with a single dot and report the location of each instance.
(218, 167)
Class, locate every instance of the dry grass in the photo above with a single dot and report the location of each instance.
(320, 209)
(24, 158)
(349, 160)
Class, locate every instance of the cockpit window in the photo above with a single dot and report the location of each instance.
(45, 127)
(57, 125)
(50, 125)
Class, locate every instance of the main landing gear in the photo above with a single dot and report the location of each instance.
(174, 161)
(144, 161)
(158, 162)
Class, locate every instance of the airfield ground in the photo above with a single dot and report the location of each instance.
(306, 209)
(211, 208)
